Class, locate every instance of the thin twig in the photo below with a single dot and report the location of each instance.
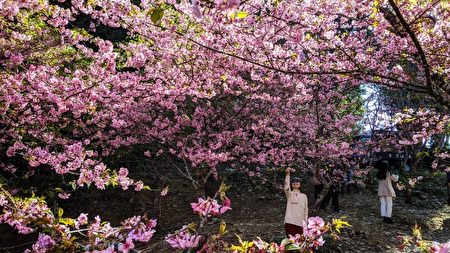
(16, 246)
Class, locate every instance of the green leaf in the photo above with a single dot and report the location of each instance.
(222, 228)
(146, 187)
(241, 14)
(339, 223)
(292, 247)
(285, 241)
(157, 15)
(243, 247)
(73, 184)
(223, 189)
(67, 221)
(60, 212)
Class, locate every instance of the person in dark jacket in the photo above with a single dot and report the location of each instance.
(333, 193)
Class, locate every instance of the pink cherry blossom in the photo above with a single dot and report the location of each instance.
(233, 3)
(445, 248)
(141, 231)
(227, 202)
(209, 207)
(16, 59)
(206, 89)
(313, 227)
(196, 9)
(82, 219)
(43, 244)
(3, 200)
(164, 191)
(139, 185)
(183, 239)
(64, 195)
(126, 246)
(317, 243)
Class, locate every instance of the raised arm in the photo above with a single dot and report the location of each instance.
(287, 181)
(394, 178)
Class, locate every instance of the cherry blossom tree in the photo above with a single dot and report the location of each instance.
(203, 82)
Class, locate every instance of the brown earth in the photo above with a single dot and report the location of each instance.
(262, 216)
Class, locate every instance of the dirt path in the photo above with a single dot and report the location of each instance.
(369, 234)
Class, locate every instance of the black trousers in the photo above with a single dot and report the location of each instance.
(351, 186)
(317, 190)
(332, 194)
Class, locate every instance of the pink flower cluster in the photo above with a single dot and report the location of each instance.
(23, 212)
(127, 245)
(312, 238)
(3, 200)
(440, 248)
(140, 231)
(210, 207)
(313, 230)
(31, 214)
(400, 186)
(43, 244)
(314, 227)
(412, 181)
(81, 220)
(183, 239)
(164, 191)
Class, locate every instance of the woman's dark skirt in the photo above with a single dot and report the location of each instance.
(292, 229)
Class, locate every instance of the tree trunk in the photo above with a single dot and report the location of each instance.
(409, 195)
(416, 159)
(403, 160)
(321, 196)
(415, 164)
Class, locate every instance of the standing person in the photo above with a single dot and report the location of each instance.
(385, 190)
(296, 206)
(333, 193)
(316, 181)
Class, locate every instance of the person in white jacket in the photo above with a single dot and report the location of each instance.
(386, 191)
(296, 206)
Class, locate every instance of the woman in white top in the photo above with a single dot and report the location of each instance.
(296, 207)
(385, 190)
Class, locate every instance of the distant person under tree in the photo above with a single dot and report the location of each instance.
(334, 178)
(386, 191)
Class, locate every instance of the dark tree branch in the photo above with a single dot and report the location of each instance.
(422, 56)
